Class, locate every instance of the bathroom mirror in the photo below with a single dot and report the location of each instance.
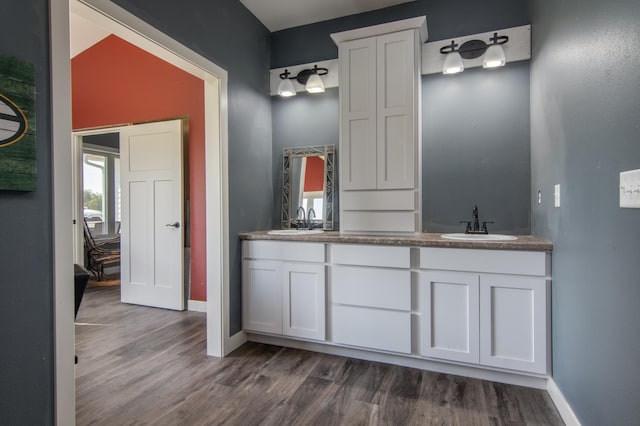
(308, 176)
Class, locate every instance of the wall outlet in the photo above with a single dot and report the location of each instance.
(556, 195)
(630, 189)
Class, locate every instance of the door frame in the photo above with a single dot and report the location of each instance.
(77, 187)
(133, 29)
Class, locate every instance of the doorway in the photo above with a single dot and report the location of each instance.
(215, 80)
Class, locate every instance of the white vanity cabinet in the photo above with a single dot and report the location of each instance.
(380, 165)
(371, 297)
(283, 288)
(488, 307)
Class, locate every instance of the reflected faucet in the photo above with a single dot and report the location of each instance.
(304, 217)
(309, 221)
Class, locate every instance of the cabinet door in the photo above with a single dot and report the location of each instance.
(397, 136)
(303, 299)
(262, 296)
(449, 315)
(371, 328)
(358, 114)
(513, 322)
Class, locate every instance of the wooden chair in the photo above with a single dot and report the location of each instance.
(100, 254)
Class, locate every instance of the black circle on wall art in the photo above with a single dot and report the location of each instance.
(13, 122)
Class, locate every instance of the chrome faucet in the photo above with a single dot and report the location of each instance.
(309, 221)
(473, 226)
(304, 217)
(306, 222)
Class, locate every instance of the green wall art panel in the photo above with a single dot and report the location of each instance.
(17, 125)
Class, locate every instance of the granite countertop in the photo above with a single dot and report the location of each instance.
(524, 242)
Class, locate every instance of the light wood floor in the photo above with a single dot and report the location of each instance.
(145, 366)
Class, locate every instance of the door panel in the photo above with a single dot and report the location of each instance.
(152, 215)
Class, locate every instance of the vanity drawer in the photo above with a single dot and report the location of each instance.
(372, 328)
(291, 251)
(485, 261)
(371, 255)
(371, 287)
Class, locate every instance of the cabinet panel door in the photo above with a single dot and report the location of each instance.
(262, 296)
(449, 316)
(358, 114)
(303, 299)
(371, 287)
(372, 328)
(513, 322)
(396, 109)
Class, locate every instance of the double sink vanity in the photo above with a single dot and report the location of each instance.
(475, 304)
(475, 308)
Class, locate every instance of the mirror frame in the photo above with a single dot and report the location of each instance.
(288, 154)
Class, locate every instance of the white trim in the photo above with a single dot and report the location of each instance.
(235, 341)
(565, 410)
(64, 385)
(196, 306)
(531, 381)
(216, 137)
(419, 23)
(77, 185)
(216, 159)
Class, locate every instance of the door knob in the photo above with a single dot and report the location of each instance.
(175, 224)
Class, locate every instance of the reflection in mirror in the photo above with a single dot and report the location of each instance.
(308, 181)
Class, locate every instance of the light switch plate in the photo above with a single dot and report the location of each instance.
(556, 195)
(630, 189)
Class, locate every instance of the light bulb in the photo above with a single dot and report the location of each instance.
(314, 84)
(494, 57)
(286, 89)
(453, 64)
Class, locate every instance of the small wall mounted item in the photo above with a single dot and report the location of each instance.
(17, 125)
(297, 193)
(309, 78)
(296, 78)
(488, 50)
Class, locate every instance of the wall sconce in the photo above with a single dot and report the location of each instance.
(472, 49)
(310, 78)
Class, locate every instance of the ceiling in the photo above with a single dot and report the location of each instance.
(274, 14)
(280, 14)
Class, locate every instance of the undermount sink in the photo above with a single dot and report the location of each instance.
(479, 237)
(295, 231)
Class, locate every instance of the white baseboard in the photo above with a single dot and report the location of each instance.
(565, 410)
(234, 342)
(411, 361)
(196, 306)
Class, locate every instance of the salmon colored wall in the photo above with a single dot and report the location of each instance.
(314, 174)
(114, 82)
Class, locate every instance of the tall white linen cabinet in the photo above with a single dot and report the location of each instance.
(380, 127)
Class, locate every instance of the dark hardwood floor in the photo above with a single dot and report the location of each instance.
(146, 366)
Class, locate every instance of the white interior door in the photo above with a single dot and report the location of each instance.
(152, 215)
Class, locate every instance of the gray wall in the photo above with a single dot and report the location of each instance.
(584, 131)
(225, 32)
(26, 266)
(304, 120)
(475, 125)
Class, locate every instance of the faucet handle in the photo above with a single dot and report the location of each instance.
(484, 225)
(468, 228)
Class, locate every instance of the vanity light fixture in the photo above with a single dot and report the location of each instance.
(453, 62)
(310, 78)
(493, 53)
(285, 88)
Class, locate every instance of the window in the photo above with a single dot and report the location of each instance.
(101, 189)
